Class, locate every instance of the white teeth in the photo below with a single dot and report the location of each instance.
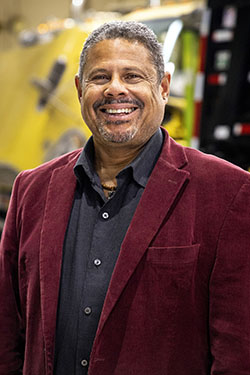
(120, 110)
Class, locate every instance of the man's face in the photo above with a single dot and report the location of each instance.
(121, 99)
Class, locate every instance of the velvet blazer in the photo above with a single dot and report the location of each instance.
(179, 298)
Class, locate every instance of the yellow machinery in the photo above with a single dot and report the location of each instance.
(40, 114)
(33, 117)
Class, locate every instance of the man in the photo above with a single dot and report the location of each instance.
(131, 256)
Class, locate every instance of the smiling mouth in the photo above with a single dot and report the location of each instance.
(122, 108)
(118, 111)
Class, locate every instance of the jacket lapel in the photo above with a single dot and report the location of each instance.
(58, 205)
(163, 188)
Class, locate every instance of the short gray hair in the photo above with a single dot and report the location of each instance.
(131, 31)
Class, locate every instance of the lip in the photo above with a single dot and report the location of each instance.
(118, 117)
(114, 103)
(118, 106)
(114, 117)
(117, 103)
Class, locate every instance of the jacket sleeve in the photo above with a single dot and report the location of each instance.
(230, 291)
(11, 330)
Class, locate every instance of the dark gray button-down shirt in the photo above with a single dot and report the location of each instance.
(96, 229)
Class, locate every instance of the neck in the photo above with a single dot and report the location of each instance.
(109, 161)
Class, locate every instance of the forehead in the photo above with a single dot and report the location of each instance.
(118, 52)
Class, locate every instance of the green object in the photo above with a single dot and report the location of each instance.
(189, 63)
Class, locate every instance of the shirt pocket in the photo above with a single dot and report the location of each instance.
(172, 268)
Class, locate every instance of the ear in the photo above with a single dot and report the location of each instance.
(78, 87)
(165, 86)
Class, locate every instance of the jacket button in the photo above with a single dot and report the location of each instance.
(84, 362)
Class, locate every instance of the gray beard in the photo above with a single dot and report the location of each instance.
(116, 137)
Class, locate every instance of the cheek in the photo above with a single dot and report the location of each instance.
(87, 103)
(155, 104)
(152, 95)
(155, 96)
(90, 96)
(157, 108)
(86, 113)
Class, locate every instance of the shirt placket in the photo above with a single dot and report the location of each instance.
(98, 273)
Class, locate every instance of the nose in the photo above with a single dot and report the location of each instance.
(115, 87)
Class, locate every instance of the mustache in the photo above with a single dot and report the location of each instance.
(105, 101)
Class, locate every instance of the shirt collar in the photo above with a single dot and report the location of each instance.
(141, 166)
(144, 163)
(85, 163)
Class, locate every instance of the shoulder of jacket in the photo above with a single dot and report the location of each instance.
(43, 172)
(63, 160)
(212, 170)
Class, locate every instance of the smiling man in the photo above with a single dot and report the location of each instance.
(122, 100)
(130, 256)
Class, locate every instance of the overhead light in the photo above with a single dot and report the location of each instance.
(77, 3)
(155, 3)
(170, 40)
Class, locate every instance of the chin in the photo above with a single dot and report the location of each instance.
(117, 136)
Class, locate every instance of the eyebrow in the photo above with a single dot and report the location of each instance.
(98, 70)
(126, 69)
(88, 75)
(132, 68)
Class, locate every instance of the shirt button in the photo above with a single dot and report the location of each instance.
(105, 215)
(97, 262)
(87, 310)
(84, 363)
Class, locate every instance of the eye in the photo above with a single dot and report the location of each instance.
(100, 79)
(133, 77)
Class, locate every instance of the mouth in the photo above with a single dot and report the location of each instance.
(118, 115)
(122, 110)
(118, 111)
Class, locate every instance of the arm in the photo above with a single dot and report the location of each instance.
(230, 291)
(11, 342)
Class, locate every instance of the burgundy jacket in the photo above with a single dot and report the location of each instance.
(179, 298)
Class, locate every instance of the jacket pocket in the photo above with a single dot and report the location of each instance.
(172, 269)
(173, 256)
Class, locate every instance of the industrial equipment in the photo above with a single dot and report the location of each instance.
(223, 82)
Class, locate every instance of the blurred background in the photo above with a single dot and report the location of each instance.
(206, 49)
